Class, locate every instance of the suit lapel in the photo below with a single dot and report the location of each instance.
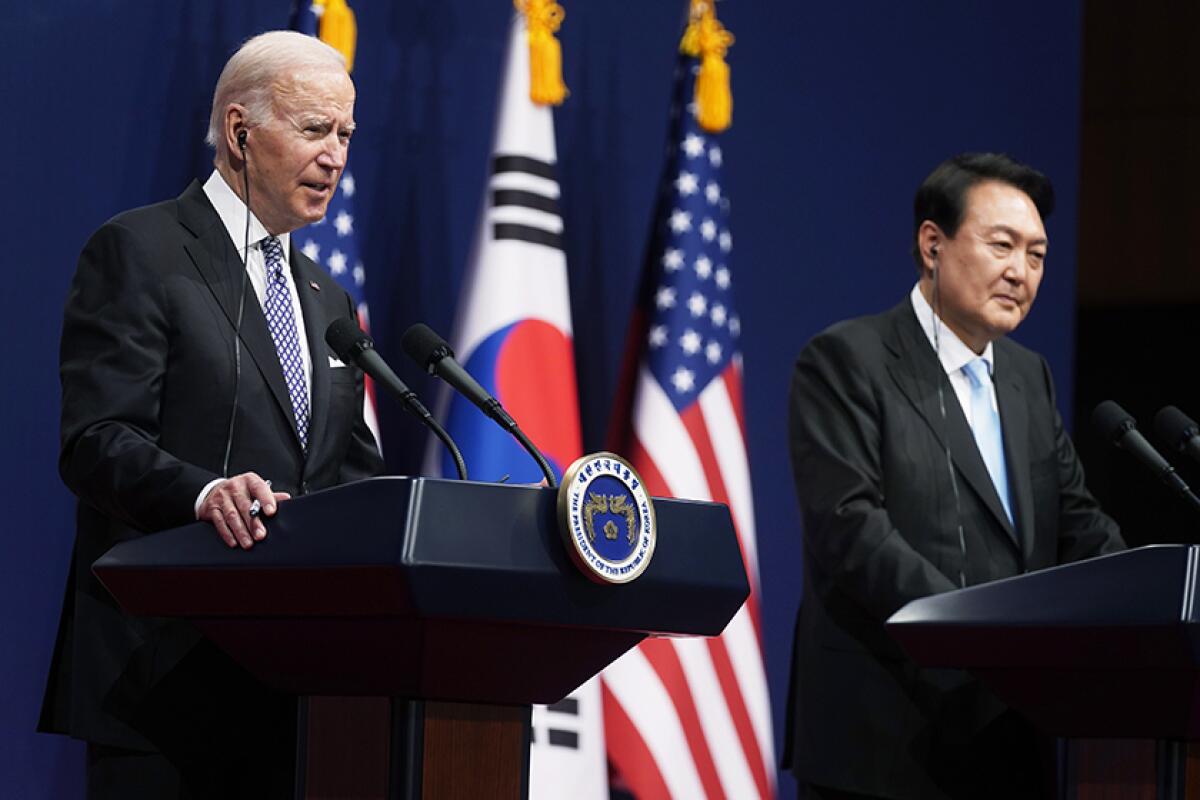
(917, 373)
(218, 263)
(1014, 421)
(316, 321)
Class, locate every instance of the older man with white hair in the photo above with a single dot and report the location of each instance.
(195, 384)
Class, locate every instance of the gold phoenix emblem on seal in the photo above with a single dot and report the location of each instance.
(609, 504)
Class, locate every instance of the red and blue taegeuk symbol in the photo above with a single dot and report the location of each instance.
(529, 366)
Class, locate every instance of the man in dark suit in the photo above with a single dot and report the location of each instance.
(929, 455)
(196, 383)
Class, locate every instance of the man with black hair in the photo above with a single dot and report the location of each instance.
(929, 455)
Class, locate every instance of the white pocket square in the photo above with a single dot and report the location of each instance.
(335, 363)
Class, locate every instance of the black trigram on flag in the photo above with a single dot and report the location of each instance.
(562, 724)
(524, 201)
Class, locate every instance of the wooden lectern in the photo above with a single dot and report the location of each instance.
(421, 617)
(1107, 648)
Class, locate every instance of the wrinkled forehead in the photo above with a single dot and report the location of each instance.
(320, 90)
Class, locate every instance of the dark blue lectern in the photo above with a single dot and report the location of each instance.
(1104, 648)
(459, 596)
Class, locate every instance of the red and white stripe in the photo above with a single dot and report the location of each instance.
(691, 718)
(369, 415)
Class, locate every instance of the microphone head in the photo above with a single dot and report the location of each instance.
(1111, 421)
(1175, 427)
(424, 346)
(346, 339)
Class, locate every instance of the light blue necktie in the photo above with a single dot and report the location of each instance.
(277, 306)
(985, 424)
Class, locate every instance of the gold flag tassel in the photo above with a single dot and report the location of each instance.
(707, 39)
(542, 20)
(338, 28)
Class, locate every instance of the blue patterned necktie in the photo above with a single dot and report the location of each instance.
(281, 319)
(985, 424)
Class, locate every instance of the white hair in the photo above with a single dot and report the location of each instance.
(252, 75)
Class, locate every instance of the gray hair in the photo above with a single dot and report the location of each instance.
(252, 74)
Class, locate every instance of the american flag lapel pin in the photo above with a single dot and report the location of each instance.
(315, 286)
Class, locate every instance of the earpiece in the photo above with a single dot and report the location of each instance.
(241, 139)
(932, 250)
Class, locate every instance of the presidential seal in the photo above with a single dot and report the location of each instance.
(607, 518)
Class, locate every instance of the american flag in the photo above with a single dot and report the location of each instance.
(691, 718)
(332, 242)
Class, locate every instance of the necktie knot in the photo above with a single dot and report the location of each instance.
(976, 371)
(273, 256)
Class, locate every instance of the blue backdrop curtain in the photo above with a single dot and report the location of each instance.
(840, 109)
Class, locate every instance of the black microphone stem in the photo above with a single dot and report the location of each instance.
(1177, 484)
(520, 436)
(497, 412)
(353, 346)
(440, 432)
(1116, 425)
(434, 354)
(384, 374)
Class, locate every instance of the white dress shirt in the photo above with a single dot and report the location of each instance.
(953, 353)
(232, 211)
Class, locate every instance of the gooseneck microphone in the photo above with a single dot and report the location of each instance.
(354, 346)
(1117, 426)
(434, 354)
(1178, 430)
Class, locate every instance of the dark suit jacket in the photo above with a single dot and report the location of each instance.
(147, 369)
(881, 527)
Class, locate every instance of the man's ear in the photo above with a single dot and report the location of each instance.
(235, 131)
(930, 240)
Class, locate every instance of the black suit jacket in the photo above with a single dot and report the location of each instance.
(148, 371)
(881, 513)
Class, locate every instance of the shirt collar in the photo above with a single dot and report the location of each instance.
(232, 212)
(951, 350)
